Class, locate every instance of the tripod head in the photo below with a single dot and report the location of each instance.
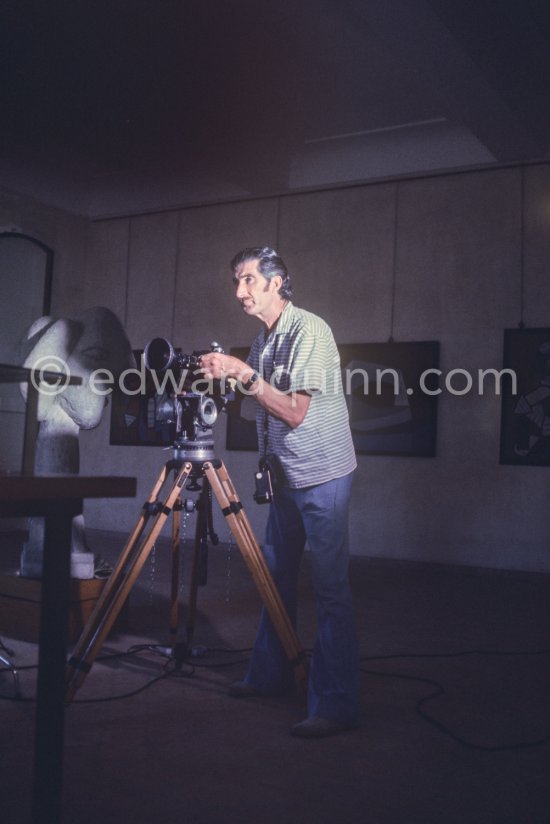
(193, 417)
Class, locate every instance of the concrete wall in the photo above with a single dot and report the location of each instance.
(452, 246)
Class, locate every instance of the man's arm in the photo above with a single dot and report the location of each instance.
(288, 407)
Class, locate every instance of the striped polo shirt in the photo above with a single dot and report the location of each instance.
(300, 354)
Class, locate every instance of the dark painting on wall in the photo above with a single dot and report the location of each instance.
(391, 391)
(391, 395)
(241, 415)
(133, 411)
(525, 422)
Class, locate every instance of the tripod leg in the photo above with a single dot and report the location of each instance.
(198, 569)
(125, 575)
(174, 589)
(114, 580)
(239, 525)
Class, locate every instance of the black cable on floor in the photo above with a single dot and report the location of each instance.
(173, 666)
(440, 690)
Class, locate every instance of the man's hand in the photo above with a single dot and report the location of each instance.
(217, 365)
(288, 407)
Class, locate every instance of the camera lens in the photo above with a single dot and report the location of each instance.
(159, 354)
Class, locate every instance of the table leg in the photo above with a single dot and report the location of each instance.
(50, 708)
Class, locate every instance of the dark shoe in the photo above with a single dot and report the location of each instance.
(240, 689)
(317, 727)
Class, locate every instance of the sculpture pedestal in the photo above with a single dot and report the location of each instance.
(32, 556)
(32, 562)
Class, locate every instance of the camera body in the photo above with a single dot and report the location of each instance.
(264, 483)
(269, 478)
(190, 412)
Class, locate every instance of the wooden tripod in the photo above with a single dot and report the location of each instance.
(134, 556)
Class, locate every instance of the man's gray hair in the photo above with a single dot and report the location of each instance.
(270, 263)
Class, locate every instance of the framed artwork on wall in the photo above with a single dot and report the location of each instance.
(390, 391)
(241, 415)
(525, 418)
(133, 413)
(26, 266)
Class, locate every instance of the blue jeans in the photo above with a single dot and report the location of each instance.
(318, 514)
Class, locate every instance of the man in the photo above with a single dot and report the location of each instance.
(303, 429)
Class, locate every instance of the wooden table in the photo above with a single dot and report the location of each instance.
(56, 498)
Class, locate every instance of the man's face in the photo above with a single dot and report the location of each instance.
(256, 294)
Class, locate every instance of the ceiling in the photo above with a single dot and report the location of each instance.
(125, 106)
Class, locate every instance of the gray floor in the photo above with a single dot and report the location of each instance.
(182, 750)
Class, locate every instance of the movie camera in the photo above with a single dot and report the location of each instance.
(189, 402)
